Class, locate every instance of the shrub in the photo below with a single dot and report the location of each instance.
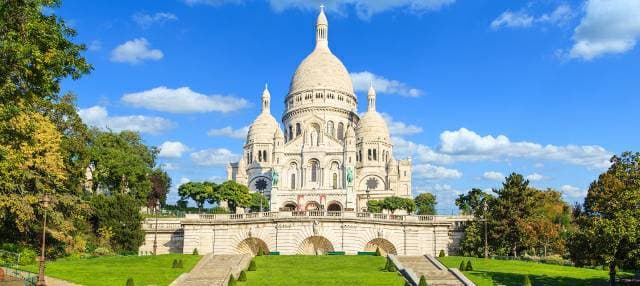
(102, 251)
(527, 281)
(175, 263)
(391, 267)
(462, 266)
(260, 252)
(27, 256)
(441, 254)
(377, 251)
(469, 267)
(130, 282)
(252, 266)
(243, 276)
(195, 251)
(386, 264)
(232, 281)
(423, 281)
(179, 264)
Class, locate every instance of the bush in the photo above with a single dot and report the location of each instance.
(27, 256)
(386, 264)
(423, 281)
(252, 266)
(462, 266)
(102, 251)
(527, 281)
(243, 276)
(377, 251)
(195, 251)
(390, 266)
(260, 252)
(232, 281)
(130, 282)
(469, 267)
(175, 263)
(441, 254)
(180, 264)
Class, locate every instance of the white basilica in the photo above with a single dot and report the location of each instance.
(328, 157)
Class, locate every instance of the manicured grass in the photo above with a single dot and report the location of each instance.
(114, 270)
(321, 270)
(503, 272)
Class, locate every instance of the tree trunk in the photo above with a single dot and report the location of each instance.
(514, 250)
(612, 274)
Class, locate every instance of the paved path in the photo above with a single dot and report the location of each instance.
(420, 265)
(50, 280)
(214, 270)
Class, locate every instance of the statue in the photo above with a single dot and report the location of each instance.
(315, 227)
(349, 176)
(274, 178)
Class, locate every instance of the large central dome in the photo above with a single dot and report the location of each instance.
(321, 69)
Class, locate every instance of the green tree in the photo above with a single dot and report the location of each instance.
(258, 199)
(608, 231)
(374, 206)
(473, 202)
(121, 214)
(423, 281)
(394, 203)
(425, 204)
(160, 184)
(197, 191)
(235, 194)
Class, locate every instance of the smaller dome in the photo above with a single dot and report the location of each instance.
(372, 127)
(278, 134)
(263, 129)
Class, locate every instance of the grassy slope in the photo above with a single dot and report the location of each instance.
(321, 270)
(114, 270)
(501, 272)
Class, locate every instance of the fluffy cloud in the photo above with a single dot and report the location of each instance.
(534, 177)
(431, 172)
(364, 8)
(212, 2)
(172, 149)
(168, 166)
(183, 100)
(147, 20)
(135, 51)
(230, 132)
(362, 81)
(399, 128)
(608, 26)
(573, 193)
(522, 19)
(213, 157)
(494, 176)
(464, 145)
(98, 116)
(445, 196)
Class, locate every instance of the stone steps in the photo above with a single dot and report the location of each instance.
(420, 265)
(213, 270)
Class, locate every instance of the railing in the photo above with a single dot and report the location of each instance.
(327, 214)
(161, 226)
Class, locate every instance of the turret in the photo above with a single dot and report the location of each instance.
(322, 30)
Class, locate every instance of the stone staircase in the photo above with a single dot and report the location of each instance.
(214, 270)
(434, 274)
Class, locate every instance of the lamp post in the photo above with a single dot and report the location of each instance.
(155, 235)
(484, 217)
(41, 281)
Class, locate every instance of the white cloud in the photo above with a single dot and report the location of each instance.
(431, 172)
(493, 175)
(608, 26)
(362, 81)
(364, 8)
(214, 157)
(183, 100)
(135, 51)
(145, 20)
(534, 177)
(573, 193)
(98, 116)
(522, 19)
(445, 196)
(230, 132)
(169, 166)
(399, 128)
(172, 149)
(212, 2)
(95, 45)
(183, 181)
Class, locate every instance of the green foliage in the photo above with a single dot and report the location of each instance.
(394, 203)
(130, 282)
(175, 263)
(236, 195)
(260, 252)
(118, 214)
(252, 265)
(195, 251)
(462, 266)
(256, 200)
(527, 281)
(472, 243)
(469, 267)
(374, 206)
(377, 251)
(391, 267)
(160, 185)
(386, 264)
(441, 254)
(473, 202)
(425, 204)
(232, 281)
(243, 276)
(219, 210)
(423, 281)
(199, 192)
(180, 263)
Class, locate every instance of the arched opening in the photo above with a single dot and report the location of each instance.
(252, 245)
(340, 131)
(290, 206)
(315, 245)
(334, 207)
(335, 181)
(312, 206)
(298, 129)
(385, 246)
(331, 129)
(293, 181)
(314, 171)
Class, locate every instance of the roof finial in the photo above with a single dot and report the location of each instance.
(322, 30)
(322, 7)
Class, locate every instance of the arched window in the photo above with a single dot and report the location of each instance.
(264, 156)
(360, 155)
(335, 181)
(314, 171)
(293, 181)
(369, 155)
(259, 156)
(340, 131)
(330, 129)
(298, 129)
(290, 132)
(375, 155)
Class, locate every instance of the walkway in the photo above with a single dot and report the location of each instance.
(214, 270)
(434, 274)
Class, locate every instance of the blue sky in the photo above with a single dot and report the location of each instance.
(472, 90)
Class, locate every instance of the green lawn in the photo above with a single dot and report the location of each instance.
(114, 270)
(321, 270)
(502, 272)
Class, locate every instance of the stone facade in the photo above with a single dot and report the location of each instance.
(328, 157)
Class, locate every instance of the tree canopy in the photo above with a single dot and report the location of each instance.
(425, 204)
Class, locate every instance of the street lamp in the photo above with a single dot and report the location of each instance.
(484, 217)
(41, 281)
(155, 236)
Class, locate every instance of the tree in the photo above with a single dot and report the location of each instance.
(473, 202)
(197, 191)
(121, 214)
(374, 206)
(258, 199)
(425, 204)
(394, 203)
(160, 184)
(423, 281)
(235, 194)
(608, 231)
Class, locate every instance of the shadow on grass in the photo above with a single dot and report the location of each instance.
(511, 279)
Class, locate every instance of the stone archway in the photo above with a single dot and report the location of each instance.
(334, 207)
(290, 206)
(385, 246)
(315, 245)
(312, 206)
(251, 246)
